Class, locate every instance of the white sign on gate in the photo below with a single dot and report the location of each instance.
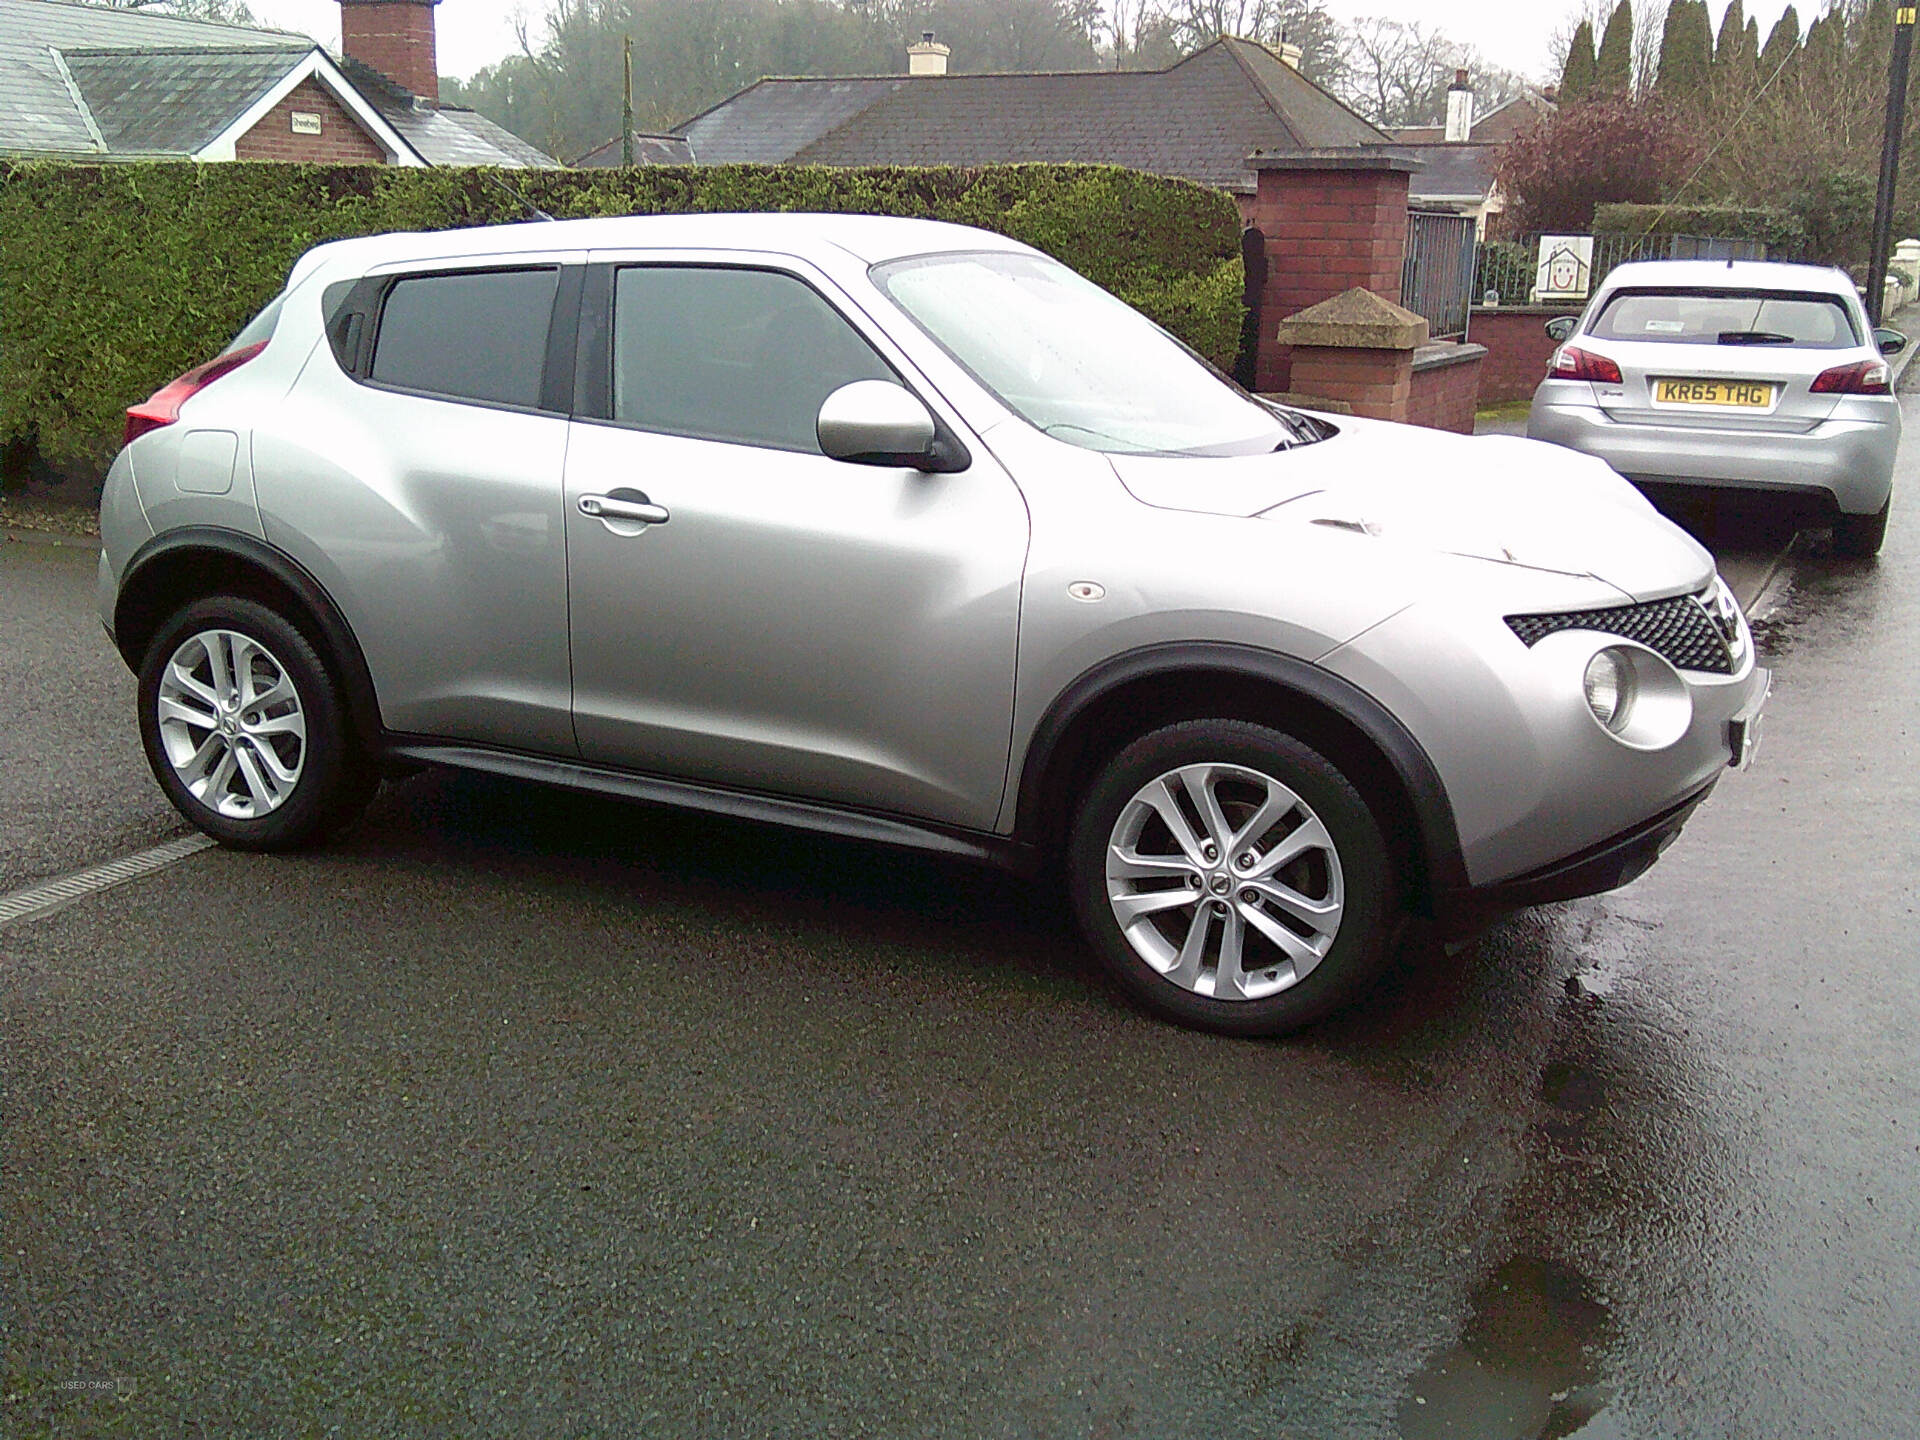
(1565, 269)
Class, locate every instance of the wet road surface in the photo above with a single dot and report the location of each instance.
(522, 1113)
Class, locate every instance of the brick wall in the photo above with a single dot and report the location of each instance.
(1518, 350)
(1331, 224)
(340, 141)
(395, 37)
(1446, 388)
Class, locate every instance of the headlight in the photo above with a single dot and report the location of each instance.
(1610, 688)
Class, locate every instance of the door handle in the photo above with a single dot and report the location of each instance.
(632, 506)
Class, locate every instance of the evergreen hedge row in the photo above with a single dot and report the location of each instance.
(113, 279)
(1780, 229)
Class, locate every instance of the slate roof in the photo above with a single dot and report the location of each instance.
(1456, 172)
(89, 80)
(1199, 119)
(172, 102)
(648, 149)
(40, 113)
(771, 121)
(443, 135)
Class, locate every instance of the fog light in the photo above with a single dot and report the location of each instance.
(1609, 686)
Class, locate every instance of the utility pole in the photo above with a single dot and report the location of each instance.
(1903, 20)
(626, 98)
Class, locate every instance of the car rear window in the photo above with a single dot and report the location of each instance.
(476, 336)
(1727, 317)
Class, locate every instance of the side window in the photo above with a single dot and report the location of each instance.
(745, 356)
(480, 336)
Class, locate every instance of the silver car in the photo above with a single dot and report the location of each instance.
(902, 531)
(1732, 373)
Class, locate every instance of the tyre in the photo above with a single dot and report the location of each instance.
(246, 729)
(1231, 878)
(1860, 537)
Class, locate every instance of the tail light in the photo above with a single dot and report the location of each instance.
(1863, 377)
(163, 406)
(1573, 363)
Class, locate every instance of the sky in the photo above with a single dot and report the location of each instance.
(1512, 33)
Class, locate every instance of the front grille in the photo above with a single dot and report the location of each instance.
(1679, 629)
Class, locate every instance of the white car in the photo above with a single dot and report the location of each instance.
(1742, 374)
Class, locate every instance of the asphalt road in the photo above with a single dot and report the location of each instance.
(517, 1113)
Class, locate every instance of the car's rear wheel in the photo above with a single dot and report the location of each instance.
(246, 730)
(1232, 878)
(1860, 536)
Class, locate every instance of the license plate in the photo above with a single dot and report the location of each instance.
(1739, 394)
(1743, 730)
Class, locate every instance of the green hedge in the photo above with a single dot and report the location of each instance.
(1780, 229)
(115, 278)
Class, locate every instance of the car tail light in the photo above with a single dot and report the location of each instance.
(1863, 377)
(163, 406)
(1573, 363)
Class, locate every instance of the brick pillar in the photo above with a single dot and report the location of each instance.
(1356, 351)
(396, 38)
(1334, 220)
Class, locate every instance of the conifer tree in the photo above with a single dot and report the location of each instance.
(1686, 54)
(1613, 69)
(1578, 78)
(1782, 41)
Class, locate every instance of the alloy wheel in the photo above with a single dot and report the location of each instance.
(231, 724)
(1224, 881)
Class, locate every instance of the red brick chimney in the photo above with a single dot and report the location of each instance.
(395, 37)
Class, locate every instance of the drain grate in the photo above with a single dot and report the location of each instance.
(50, 895)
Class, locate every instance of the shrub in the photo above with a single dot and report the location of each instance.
(113, 279)
(1778, 229)
(1601, 150)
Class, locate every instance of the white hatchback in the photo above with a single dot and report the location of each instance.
(1742, 374)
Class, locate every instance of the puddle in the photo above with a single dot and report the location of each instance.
(1527, 1367)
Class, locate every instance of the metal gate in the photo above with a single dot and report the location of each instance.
(1436, 279)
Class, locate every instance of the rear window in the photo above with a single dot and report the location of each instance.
(259, 330)
(1728, 317)
(468, 337)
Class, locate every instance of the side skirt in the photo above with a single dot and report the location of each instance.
(971, 845)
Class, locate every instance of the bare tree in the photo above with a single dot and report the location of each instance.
(1397, 73)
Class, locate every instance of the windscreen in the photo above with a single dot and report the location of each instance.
(1073, 361)
(1728, 317)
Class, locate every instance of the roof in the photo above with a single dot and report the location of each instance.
(91, 80)
(773, 120)
(1738, 274)
(870, 239)
(1199, 119)
(172, 102)
(1459, 173)
(648, 149)
(40, 113)
(1498, 125)
(444, 134)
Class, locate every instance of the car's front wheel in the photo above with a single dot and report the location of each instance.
(1232, 878)
(246, 729)
(1860, 537)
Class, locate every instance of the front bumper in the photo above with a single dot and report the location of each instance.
(1848, 461)
(1616, 861)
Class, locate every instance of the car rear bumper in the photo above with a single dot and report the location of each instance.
(1848, 461)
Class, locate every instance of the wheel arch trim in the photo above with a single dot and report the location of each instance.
(176, 548)
(1439, 849)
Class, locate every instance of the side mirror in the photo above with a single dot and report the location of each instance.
(1560, 328)
(1891, 342)
(875, 422)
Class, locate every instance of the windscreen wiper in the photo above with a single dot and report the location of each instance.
(1754, 337)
